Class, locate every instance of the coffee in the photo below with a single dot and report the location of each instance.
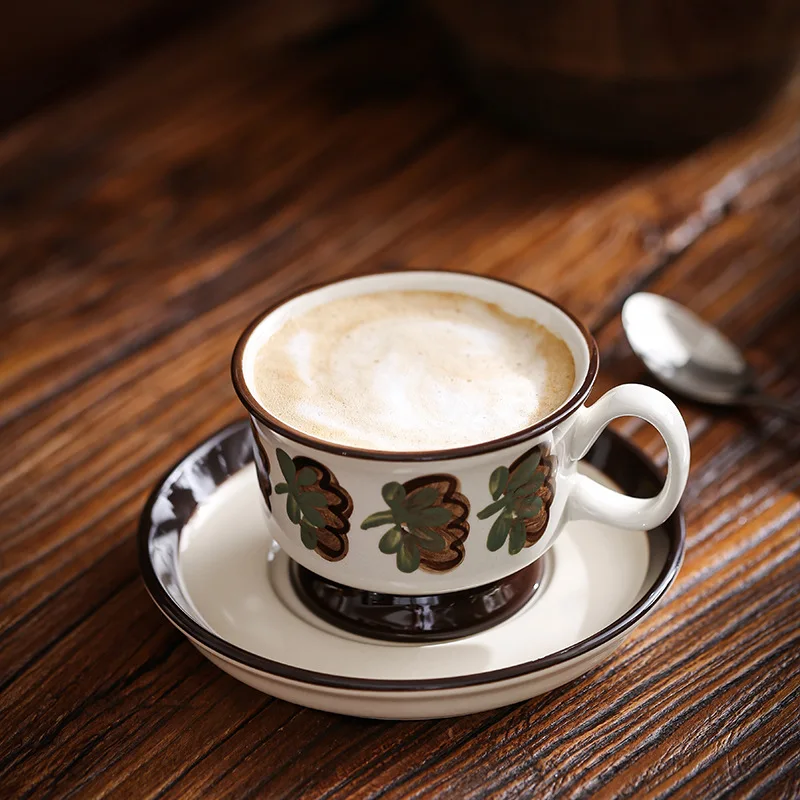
(411, 371)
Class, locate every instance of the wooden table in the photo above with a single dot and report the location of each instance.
(147, 219)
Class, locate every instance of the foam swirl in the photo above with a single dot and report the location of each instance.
(412, 371)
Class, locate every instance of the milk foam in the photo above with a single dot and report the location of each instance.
(411, 371)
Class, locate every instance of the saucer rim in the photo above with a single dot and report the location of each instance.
(675, 528)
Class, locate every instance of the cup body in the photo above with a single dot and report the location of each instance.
(472, 534)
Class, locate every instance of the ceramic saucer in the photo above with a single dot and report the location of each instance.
(210, 565)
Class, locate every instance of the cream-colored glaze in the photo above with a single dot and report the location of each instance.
(238, 583)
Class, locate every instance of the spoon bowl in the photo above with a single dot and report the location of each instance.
(690, 356)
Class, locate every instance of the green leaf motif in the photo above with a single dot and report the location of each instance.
(536, 482)
(390, 541)
(498, 481)
(516, 539)
(436, 516)
(313, 499)
(286, 465)
(314, 517)
(498, 533)
(377, 519)
(281, 488)
(308, 535)
(533, 509)
(293, 509)
(492, 508)
(524, 472)
(429, 539)
(393, 493)
(306, 477)
(423, 498)
(408, 556)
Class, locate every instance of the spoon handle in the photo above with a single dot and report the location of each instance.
(784, 408)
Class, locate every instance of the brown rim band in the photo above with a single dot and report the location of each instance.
(542, 426)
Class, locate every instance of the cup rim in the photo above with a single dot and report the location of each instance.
(257, 410)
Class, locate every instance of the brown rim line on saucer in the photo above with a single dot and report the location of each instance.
(418, 618)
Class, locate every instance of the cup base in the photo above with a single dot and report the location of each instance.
(417, 618)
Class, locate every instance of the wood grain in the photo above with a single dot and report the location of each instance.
(144, 222)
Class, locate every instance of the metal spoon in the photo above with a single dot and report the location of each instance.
(692, 357)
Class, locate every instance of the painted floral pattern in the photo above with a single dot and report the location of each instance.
(317, 504)
(427, 519)
(521, 498)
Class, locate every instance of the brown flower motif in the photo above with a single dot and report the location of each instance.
(332, 538)
(262, 467)
(535, 526)
(522, 493)
(317, 503)
(428, 518)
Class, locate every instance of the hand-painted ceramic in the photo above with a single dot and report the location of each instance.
(212, 567)
(424, 523)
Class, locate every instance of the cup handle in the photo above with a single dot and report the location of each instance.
(589, 499)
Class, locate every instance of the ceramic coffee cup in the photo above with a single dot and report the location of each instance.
(344, 541)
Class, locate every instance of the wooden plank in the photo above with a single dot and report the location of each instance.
(98, 169)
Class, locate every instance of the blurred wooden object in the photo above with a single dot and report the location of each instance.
(50, 46)
(145, 221)
(649, 74)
